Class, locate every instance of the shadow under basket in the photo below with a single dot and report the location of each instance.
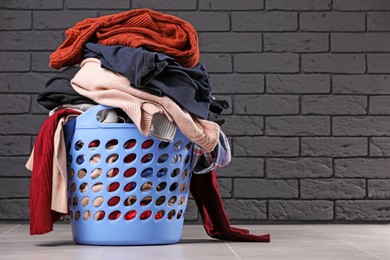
(125, 188)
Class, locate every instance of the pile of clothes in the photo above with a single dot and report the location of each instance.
(146, 65)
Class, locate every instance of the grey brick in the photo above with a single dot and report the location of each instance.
(288, 210)
(266, 104)
(40, 62)
(47, 20)
(15, 20)
(14, 188)
(361, 5)
(14, 61)
(246, 209)
(264, 21)
(333, 63)
(378, 63)
(14, 166)
(332, 21)
(236, 83)
(14, 104)
(334, 146)
(298, 168)
(361, 126)
(217, 62)
(363, 210)
(378, 189)
(380, 146)
(297, 125)
(243, 167)
(334, 105)
(243, 125)
(191, 211)
(16, 82)
(258, 189)
(267, 62)
(265, 146)
(229, 42)
(362, 168)
(378, 21)
(300, 84)
(360, 42)
(32, 4)
(205, 21)
(225, 186)
(379, 105)
(231, 5)
(296, 42)
(333, 189)
(299, 5)
(97, 4)
(15, 145)
(361, 84)
(20, 124)
(165, 5)
(29, 40)
(12, 209)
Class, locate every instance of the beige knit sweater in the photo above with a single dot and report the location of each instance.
(108, 88)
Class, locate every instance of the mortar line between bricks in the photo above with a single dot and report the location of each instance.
(10, 230)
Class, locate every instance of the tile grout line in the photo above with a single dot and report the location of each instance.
(10, 230)
(345, 242)
(100, 253)
(231, 249)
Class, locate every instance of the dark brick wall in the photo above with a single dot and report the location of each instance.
(308, 85)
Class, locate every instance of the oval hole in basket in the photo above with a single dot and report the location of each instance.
(160, 200)
(130, 186)
(78, 145)
(163, 145)
(77, 215)
(161, 186)
(130, 201)
(147, 144)
(113, 187)
(175, 172)
(130, 158)
(112, 144)
(95, 159)
(145, 215)
(81, 173)
(112, 172)
(146, 201)
(163, 158)
(69, 159)
(97, 202)
(70, 173)
(183, 187)
(173, 186)
(147, 172)
(178, 145)
(172, 201)
(75, 201)
(147, 186)
(184, 174)
(188, 146)
(159, 215)
(171, 214)
(113, 201)
(114, 215)
(83, 187)
(147, 158)
(96, 173)
(181, 201)
(179, 214)
(87, 215)
(73, 187)
(97, 187)
(162, 172)
(93, 145)
(129, 144)
(112, 158)
(186, 159)
(84, 201)
(176, 158)
(130, 215)
(99, 215)
(130, 172)
(80, 159)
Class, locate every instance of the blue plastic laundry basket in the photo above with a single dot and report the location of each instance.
(125, 188)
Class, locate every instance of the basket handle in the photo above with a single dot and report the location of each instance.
(88, 119)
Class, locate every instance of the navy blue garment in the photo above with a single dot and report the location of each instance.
(58, 91)
(157, 74)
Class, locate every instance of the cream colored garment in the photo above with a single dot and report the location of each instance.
(107, 88)
(59, 174)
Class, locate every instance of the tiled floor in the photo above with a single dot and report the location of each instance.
(301, 242)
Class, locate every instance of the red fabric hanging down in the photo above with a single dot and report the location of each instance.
(204, 190)
(41, 215)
